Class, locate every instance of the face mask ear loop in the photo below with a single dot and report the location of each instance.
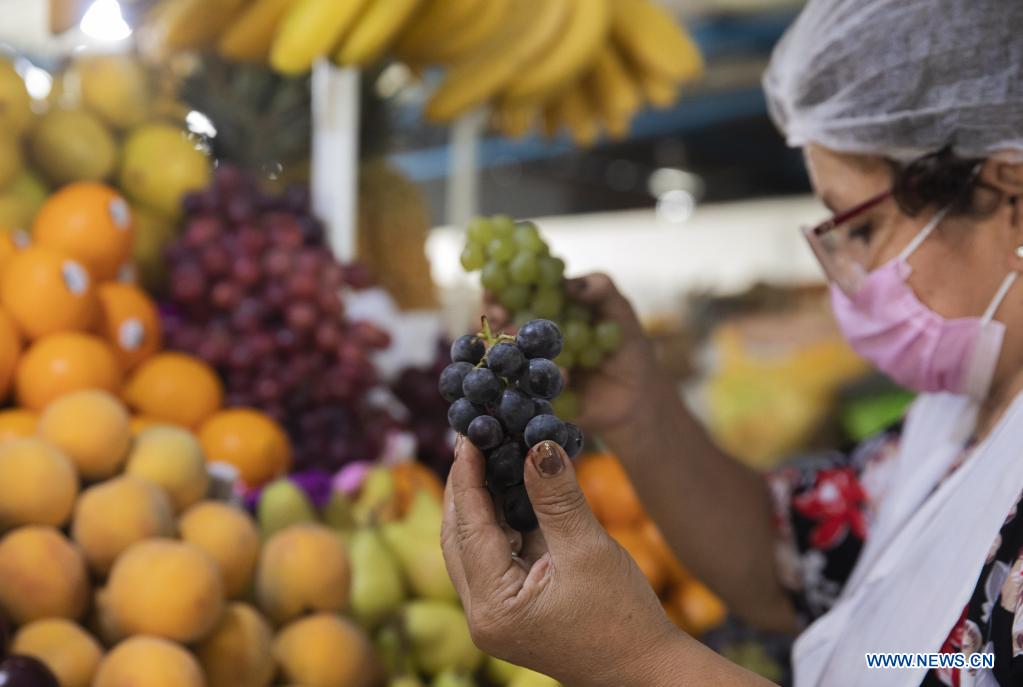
(996, 302)
(923, 234)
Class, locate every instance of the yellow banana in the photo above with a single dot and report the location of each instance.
(192, 24)
(532, 26)
(484, 25)
(435, 23)
(574, 111)
(249, 37)
(311, 29)
(515, 121)
(375, 30)
(653, 40)
(585, 32)
(611, 88)
(660, 92)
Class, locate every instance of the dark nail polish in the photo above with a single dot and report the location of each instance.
(547, 460)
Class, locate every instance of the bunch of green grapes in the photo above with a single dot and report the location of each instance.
(516, 266)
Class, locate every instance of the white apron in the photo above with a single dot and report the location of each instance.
(924, 551)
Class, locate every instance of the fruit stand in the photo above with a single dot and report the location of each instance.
(230, 389)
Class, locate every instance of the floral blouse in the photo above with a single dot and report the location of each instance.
(823, 510)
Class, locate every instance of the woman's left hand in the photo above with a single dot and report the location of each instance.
(570, 602)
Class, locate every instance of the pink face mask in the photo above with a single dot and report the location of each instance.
(919, 349)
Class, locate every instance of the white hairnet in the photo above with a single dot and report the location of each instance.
(902, 78)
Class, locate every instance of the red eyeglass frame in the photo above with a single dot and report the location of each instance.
(852, 213)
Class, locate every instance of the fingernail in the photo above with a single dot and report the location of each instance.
(547, 460)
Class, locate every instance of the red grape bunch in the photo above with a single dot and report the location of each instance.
(500, 390)
(517, 267)
(256, 292)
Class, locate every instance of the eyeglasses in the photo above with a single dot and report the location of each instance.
(840, 248)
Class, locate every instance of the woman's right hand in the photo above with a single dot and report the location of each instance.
(612, 394)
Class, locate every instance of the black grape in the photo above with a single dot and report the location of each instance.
(544, 428)
(485, 432)
(543, 379)
(481, 386)
(518, 511)
(468, 349)
(461, 414)
(505, 465)
(506, 360)
(515, 410)
(542, 407)
(539, 339)
(574, 445)
(451, 379)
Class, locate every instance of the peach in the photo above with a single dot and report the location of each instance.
(91, 428)
(302, 568)
(230, 538)
(238, 653)
(148, 662)
(38, 484)
(325, 650)
(71, 653)
(42, 575)
(171, 458)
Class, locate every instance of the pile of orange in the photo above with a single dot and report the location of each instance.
(687, 601)
(69, 321)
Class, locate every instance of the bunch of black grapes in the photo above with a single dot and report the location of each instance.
(500, 389)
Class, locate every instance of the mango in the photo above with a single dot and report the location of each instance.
(302, 568)
(111, 516)
(42, 575)
(230, 538)
(148, 662)
(92, 428)
(172, 459)
(71, 653)
(239, 651)
(38, 484)
(325, 650)
(165, 588)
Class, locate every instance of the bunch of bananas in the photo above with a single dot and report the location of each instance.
(585, 66)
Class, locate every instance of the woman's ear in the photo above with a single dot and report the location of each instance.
(1007, 177)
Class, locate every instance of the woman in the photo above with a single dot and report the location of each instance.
(910, 114)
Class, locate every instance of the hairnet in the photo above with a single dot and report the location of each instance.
(902, 78)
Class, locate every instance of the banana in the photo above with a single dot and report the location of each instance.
(375, 30)
(574, 111)
(611, 88)
(468, 40)
(193, 24)
(311, 29)
(653, 40)
(585, 32)
(515, 121)
(532, 26)
(434, 24)
(249, 37)
(660, 92)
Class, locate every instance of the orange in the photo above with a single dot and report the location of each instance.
(17, 423)
(61, 363)
(130, 322)
(46, 291)
(140, 423)
(176, 388)
(248, 440)
(12, 241)
(90, 222)
(676, 573)
(10, 350)
(609, 490)
(643, 553)
(700, 609)
(410, 478)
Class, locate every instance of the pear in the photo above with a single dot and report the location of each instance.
(393, 651)
(439, 634)
(283, 503)
(425, 513)
(405, 681)
(421, 560)
(499, 672)
(524, 677)
(377, 585)
(452, 678)
(338, 512)
(378, 498)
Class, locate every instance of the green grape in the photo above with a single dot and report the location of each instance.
(503, 226)
(514, 297)
(565, 360)
(473, 257)
(577, 336)
(547, 303)
(502, 249)
(566, 406)
(524, 316)
(494, 277)
(523, 269)
(608, 336)
(576, 312)
(552, 271)
(480, 231)
(590, 357)
(528, 238)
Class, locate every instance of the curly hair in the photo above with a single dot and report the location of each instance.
(942, 179)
